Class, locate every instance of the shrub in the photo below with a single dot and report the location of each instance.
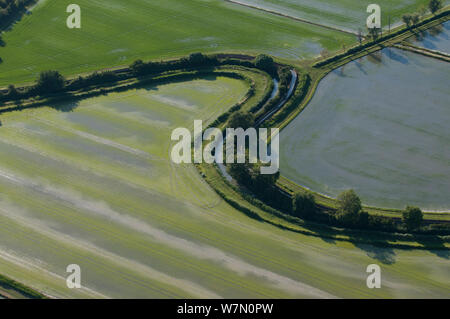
(349, 203)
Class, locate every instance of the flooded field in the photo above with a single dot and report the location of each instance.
(345, 14)
(91, 183)
(437, 38)
(378, 125)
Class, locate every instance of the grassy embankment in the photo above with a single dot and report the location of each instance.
(12, 289)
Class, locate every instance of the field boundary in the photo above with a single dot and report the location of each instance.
(25, 291)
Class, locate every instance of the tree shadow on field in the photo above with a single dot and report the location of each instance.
(397, 57)
(64, 102)
(68, 102)
(434, 244)
(8, 24)
(360, 67)
(384, 255)
(65, 106)
(419, 35)
(378, 250)
(153, 84)
(376, 57)
(428, 44)
(341, 72)
(437, 30)
(328, 240)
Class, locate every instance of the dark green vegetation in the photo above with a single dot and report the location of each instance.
(412, 217)
(435, 5)
(50, 82)
(17, 288)
(11, 9)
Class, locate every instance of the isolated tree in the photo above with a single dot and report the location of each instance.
(412, 218)
(415, 18)
(303, 204)
(349, 203)
(435, 5)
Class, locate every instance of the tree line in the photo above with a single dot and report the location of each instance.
(10, 9)
(52, 82)
(374, 34)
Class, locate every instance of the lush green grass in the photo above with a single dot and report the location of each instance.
(116, 33)
(347, 14)
(95, 187)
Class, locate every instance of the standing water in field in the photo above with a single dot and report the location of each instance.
(378, 125)
(436, 38)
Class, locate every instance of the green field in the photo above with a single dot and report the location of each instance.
(346, 14)
(95, 187)
(116, 33)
